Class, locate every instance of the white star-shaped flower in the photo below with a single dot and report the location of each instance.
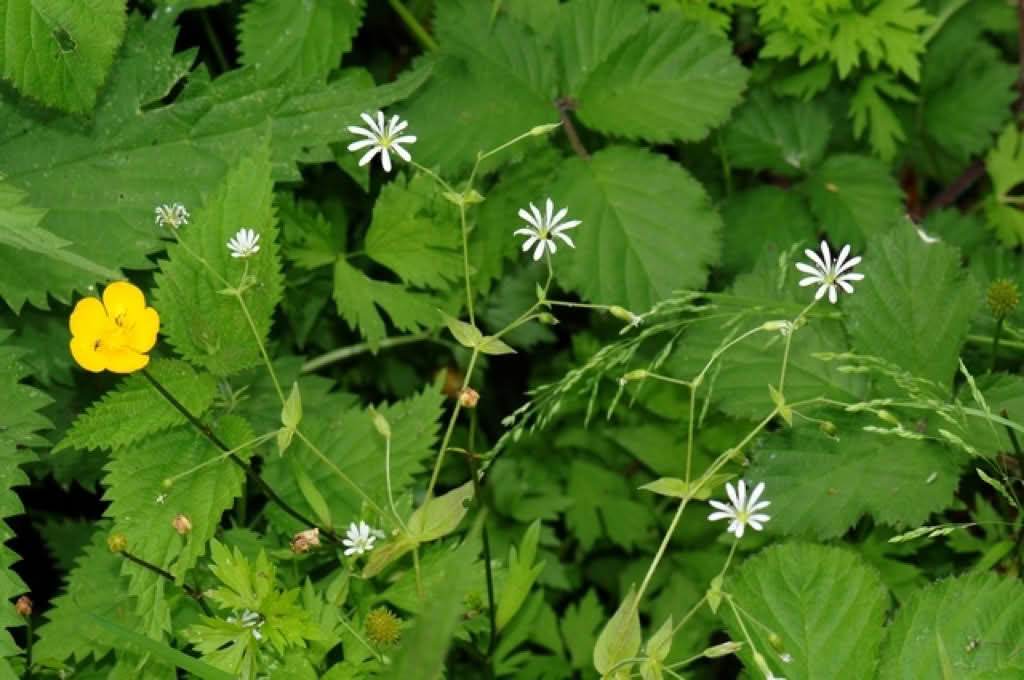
(828, 273)
(245, 243)
(742, 511)
(381, 138)
(543, 227)
(358, 539)
(172, 216)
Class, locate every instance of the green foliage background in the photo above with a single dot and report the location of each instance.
(704, 144)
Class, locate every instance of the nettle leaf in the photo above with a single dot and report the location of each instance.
(1005, 165)
(820, 486)
(763, 219)
(358, 296)
(136, 153)
(787, 136)
(632, 202)
(978, 619)
(20, 420)
(59, 51)
(95, 585)
(854, 198)
(206, 326)
(415, 233)
(494, 81)
(348, 438)
(739, 382)
(301, 41)
(135, 409)
(825, 603)
(671, 79)
(914, 305)
(143, 508)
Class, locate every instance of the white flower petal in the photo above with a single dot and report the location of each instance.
(369, 121)
(715, 516)
(821, 291)
(808, 269)
(361, 144)
(733, 496)
(558, 216)
(539, 251)
(550, 207)
(368, 156)
(529, 242)
(845, 286)
(826, 254)
(833, 296)
(852, 276)
(385, 160)
(753, 524)
(539, 219)
(755, 494)
(571, 224)
(528, 217)
(810, 281)
(816, 259)
(402, 153)
(853, 262)
(565, 238)
(407, 139)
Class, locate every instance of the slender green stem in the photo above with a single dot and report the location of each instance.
(249, 471)
(492, 614)
(387, 474)
(437, 178)
(669, 379)
(341, 474)
(578, 305)
(263, 349)
(726, 168)
(693, 610)
(448, 435)
(28, 647)
(194, 593)
(211, 35)
(416, 568)
(995, 343)
(689, 431)
(415, 27)
(739, 619)
(465, 263)
(377, 655)
(342, 353)
(661, 551)
(789, 341)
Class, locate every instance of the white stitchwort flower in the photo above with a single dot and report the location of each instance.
(245, 243)
(358, 539)
(381, 138)
(172, 216)
(743, 510)
(543, 227)
(828, 273)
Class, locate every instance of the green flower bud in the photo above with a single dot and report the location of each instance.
(1002, 298)
(117, 543)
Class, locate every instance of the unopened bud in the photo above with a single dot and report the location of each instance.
(887, 417)
(468, 397)
(181, 523)
(381, 423)
(167, 483)
(547, 319)
(304, 540)
(827, 427)
(1002, 298)
(116, 543)
(23, 606)
(544, 129)
(724, 649)
(383, 627)
(638, 374)
(776, 642)
(621, 313)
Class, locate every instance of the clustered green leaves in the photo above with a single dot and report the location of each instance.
(532, 444)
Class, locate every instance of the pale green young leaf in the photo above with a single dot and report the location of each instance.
(358, 297)
(94, 584)
(208, 328)
(108, 176)
(1005, 165)
(820, 486)
(415, 233)
(914, 305)
(620, 639)
(493, 81)
(135, 409)
(442, 515)
(313, 497)
(59, 51)
(763, 219)
(786, 136)
(143, 508)
(291, 412)
(975, 615)
(825, 603)
(297, 40)
(632, 202)
(854, 198)
(672, 79)
(19, 404)
(660, 643)
(888, 32)
(347, 437)
(871, 111)
(465, 334)
(494, 346)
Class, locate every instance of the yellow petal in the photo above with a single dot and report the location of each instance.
(124, 298)
(89, 319)
(147, 325)
(84, 351)
(124, 360)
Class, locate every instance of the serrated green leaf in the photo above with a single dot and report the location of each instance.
(579, 625)
(415, 233)
(913, 306)
(108, 176)
(825, 603)
(522, 573)
(973, 615)
(300, 41)
(620, 639)
(347, 436)
(632, 202)
(672, 79)
(591, 30)
(872, 112)
(821, 486)
(59, 51)
(135, 409)
(749, 231)
(786, 136)
(206, 328)
(358, 296)
(1005, 165)
(143, 508)
(854, 198)
(601, 494)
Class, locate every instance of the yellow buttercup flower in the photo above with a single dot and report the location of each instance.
(113, 335)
